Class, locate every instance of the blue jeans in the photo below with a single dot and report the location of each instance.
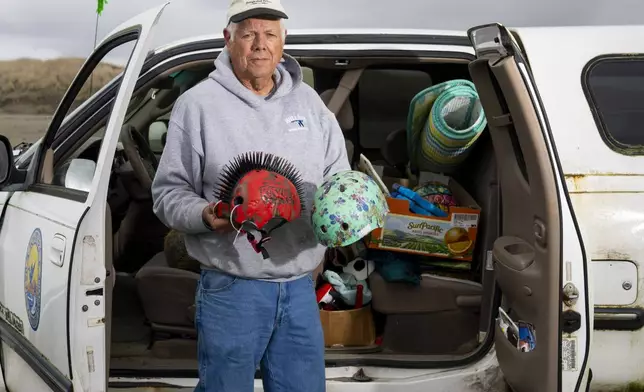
(245, 324)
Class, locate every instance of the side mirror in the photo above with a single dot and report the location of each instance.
(6, 161)
(79, 174)
(156, 135)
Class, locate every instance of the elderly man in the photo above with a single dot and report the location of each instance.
(251, 312)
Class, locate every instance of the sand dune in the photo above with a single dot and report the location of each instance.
(30, 91)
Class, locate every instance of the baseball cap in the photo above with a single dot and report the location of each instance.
(244, 9)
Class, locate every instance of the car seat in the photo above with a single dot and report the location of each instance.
(167, 293)
(167, 286)
(439, 316)
(383, 103)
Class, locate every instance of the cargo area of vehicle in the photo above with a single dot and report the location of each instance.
(443, 319)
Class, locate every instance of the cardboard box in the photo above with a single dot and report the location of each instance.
(451, 237)
(348, 328)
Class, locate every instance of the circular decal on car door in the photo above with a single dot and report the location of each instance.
(33, 278)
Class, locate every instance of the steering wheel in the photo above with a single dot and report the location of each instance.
(139, 154)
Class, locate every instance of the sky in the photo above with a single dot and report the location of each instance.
(63, 28)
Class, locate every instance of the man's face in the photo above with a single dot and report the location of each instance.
(256, 47)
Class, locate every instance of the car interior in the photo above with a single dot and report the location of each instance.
(447, 316)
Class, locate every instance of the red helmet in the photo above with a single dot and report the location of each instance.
(262, 191)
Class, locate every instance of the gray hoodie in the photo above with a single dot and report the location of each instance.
(219, 119)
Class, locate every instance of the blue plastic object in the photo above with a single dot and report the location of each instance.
(413, 207)
(417, 201)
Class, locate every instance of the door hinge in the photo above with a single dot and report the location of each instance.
(570, 294)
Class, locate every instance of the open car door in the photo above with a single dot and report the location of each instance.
(539, 261)
(55, 241)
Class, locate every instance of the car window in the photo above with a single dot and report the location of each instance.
(23, 160)
(614, 87)
(104, 73)
(77, 169)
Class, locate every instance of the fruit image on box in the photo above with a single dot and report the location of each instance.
(458, 241)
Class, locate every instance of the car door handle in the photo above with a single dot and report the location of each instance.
(513, 253)
(57, 254)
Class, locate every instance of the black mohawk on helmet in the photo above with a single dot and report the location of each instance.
(255, 160)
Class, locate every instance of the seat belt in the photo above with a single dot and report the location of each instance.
(342, 92)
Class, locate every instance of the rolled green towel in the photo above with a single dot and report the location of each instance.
(443, 124)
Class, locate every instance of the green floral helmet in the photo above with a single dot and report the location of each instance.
(347, 207)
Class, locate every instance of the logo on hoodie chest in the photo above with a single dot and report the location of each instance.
(296, 123)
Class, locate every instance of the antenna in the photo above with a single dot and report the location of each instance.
(91, 77)
(99, 10)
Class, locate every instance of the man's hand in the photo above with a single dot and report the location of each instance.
(219, 225)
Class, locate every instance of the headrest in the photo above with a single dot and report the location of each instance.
(345, 115)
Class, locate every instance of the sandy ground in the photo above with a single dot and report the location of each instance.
(23, 127)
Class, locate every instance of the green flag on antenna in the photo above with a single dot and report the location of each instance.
(101, 5)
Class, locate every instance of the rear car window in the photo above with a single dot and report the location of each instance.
(614, 87)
